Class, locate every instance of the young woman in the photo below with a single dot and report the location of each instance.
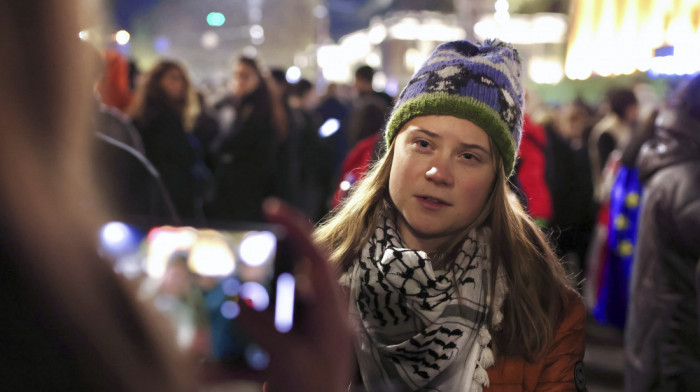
(445, 272)
(164, 111)
(243, 168)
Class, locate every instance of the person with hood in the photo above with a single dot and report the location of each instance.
(662, 339)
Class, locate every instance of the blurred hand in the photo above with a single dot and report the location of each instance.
(317, 354)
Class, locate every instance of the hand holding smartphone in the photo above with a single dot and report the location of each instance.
(294, 344)
(200, 277)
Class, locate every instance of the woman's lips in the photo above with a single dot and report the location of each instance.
(431, 203)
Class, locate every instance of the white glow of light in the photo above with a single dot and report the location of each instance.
(230, 310)
(377, 33)
(543, 71)
(320, 11)
(502, 6)
(379, 81)
(284, 303)
(406, 29)
(210, 40)
(122, 37)
(84, 35)
(356, 45)
(502, 17)
(212, 258)
(256, 32)
(539, 28)
(114, 234)
(328, 55)
(293, 75)
(257, 248)
(373, 60)
(329, 127)
(345, 185)
(164, 241)
(338, 74)
(437, 31)
(256, 357)
(256, 295)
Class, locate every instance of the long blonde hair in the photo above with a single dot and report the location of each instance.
(537, 282)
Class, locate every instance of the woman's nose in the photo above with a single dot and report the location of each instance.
(439, 174)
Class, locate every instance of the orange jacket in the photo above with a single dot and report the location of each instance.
(561, 369)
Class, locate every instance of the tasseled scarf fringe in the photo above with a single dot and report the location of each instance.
(486, 358)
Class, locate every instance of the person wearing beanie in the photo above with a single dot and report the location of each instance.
(662, 333)
(450, 284)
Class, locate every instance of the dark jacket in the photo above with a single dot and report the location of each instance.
(244, 164)
(662, 343)
(169, 151)
(129, 184)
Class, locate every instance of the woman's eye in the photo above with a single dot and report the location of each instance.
(423, 144)
(469, 156)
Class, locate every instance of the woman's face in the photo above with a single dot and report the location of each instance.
(441, 175)
(245, 79)
(174, 84)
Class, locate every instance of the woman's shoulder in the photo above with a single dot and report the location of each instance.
(574, 310)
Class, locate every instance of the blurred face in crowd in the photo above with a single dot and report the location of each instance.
(441, 175)
(245, 78)
(174, 84)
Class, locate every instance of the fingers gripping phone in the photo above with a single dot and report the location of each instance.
(199, 277)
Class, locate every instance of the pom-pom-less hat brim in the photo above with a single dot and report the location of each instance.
(467, 108)
(476, 82)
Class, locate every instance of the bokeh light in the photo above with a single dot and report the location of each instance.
(216, 19)
(122, 37)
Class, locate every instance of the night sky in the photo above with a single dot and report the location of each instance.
(345, 15)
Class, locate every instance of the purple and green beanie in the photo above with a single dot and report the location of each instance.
(479, 83)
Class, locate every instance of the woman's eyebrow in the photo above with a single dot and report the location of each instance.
(475, 146)
(416, 129)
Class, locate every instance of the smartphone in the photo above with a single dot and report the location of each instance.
(199, 276)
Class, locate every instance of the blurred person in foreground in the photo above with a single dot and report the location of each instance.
(451, 285)
(662, 336)
(69, 324)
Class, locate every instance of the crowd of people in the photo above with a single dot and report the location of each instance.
(449, 235)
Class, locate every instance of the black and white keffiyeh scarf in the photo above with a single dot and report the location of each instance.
(419, 328)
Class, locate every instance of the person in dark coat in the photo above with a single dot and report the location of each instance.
(129, 184)
(662, 341)
(164, 108)
(245, 157)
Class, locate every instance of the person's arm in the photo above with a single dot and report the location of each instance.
(562, 368)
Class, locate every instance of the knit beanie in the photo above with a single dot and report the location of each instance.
(479, 83)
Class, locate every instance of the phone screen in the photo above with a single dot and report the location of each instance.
(199, 277)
